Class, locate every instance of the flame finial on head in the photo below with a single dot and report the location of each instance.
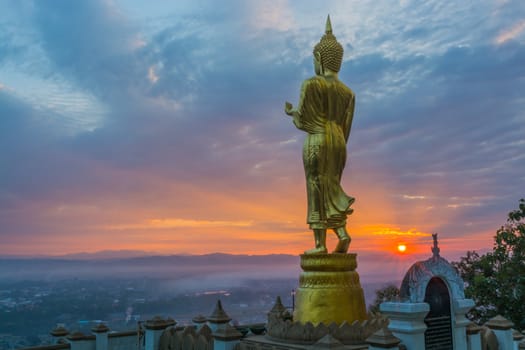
(328, 29)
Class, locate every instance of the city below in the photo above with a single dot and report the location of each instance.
(38, 294)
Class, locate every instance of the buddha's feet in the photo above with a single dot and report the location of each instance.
(320, 250)
(342, 246)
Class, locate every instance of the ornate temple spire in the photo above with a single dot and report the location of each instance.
(278, 307)
(219, 315)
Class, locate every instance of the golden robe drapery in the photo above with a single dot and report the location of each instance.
(325, 112)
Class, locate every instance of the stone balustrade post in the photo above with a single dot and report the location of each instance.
(473, 336)
(101, 336)
(80, 341)
(59, 334)
(407, 322)
(226, 337)
(199, 321)
(517, 338)
(461, 307)
(502, 328)
(154, 329)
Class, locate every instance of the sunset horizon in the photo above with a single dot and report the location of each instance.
(127, 126)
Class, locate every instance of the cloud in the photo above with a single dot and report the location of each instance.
(84, 37)
(181, 113)
(275, 16)
(389, 231)
(511, 33)
(411, 197)
(152, 75)
(177, 223)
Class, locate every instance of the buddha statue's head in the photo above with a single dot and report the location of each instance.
(328, 53)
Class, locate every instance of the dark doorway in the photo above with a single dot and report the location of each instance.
(438, 335)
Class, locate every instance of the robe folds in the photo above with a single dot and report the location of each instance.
(325, 112)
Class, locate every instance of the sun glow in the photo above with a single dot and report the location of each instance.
(401, 248)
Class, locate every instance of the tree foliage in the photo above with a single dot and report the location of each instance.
(496, 280)
(388, 293)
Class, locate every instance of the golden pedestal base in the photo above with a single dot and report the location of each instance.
(329, 290)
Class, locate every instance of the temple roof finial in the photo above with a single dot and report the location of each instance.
(435, 248)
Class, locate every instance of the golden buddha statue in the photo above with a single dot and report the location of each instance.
(325, 112)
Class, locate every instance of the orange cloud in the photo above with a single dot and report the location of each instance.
(380, 230)
(511, 33)
(178, 222)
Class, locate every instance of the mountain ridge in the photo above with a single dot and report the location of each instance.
(133, 254)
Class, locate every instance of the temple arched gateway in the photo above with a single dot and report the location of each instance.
(438, 335)
(431, 314)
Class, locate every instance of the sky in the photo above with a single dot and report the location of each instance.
(159, 126)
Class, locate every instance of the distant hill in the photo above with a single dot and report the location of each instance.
(190, 272)
(102, 254)
(140, 264)
(162, 266)
(108, 254)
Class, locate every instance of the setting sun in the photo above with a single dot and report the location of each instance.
(401, 248)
